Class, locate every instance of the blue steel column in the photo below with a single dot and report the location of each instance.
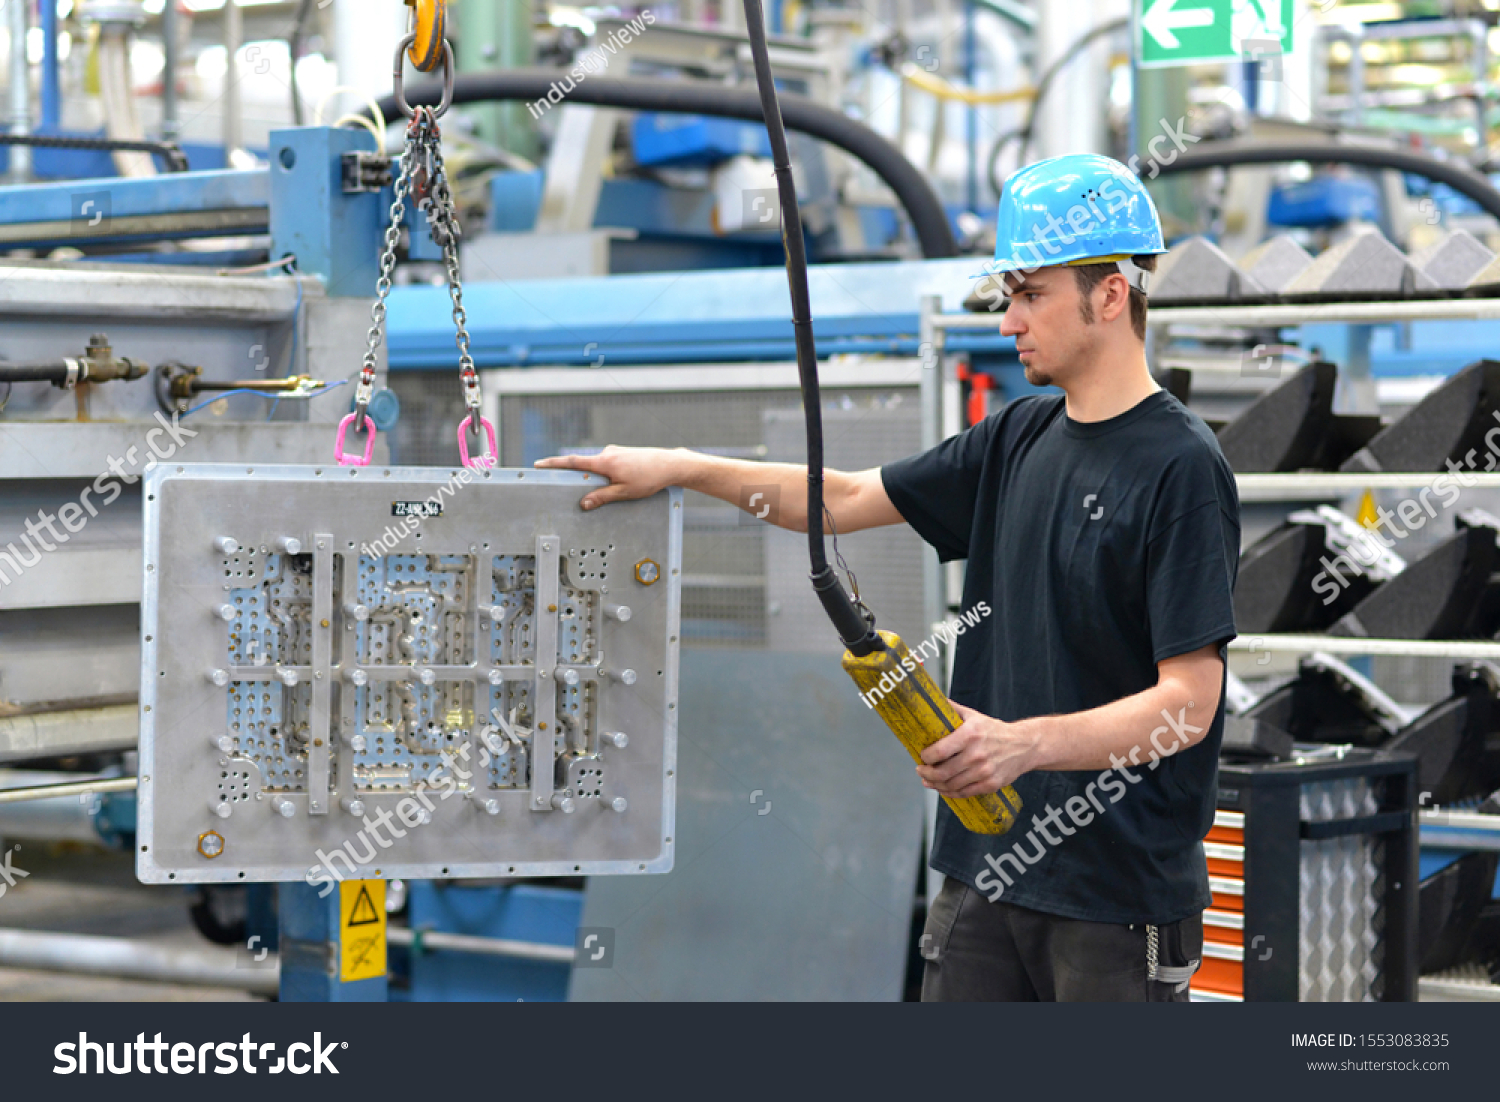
(311, 953)
(334, 236)
(337, 238)
(51, 89)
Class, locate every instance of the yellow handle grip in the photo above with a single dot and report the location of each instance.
(919, 713)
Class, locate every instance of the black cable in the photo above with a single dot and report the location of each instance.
(170, 152)
(1459, 177)
(921, 203)
(1043, 85)
(294, 45)
(856, 631)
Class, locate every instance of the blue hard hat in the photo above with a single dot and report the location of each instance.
(1078, 209)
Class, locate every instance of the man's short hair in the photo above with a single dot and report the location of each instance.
(1090, 276)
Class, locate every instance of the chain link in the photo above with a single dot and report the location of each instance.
(424, 178)
(1151, 951)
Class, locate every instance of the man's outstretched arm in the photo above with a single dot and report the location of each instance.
(856, 499)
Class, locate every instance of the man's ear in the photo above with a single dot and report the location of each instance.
(1113, 297)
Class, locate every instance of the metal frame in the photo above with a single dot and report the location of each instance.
(176, 745)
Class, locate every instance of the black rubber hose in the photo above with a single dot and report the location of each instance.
(170, 152)
(1461, 179)
(929, 220)
(857, 633)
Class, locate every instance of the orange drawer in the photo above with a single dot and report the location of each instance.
(1228, 893)
(1223, 927)
(1225, 859)
(1223, 977)
(1229, 826)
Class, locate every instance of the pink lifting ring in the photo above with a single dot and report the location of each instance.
(483, 462)
(346, 460)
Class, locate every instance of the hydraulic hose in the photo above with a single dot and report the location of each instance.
(1461, 179)
(921, 203)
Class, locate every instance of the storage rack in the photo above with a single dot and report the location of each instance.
(1439, 828)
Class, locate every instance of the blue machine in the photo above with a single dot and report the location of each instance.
(1324, 201)
(660, 141)
(533, 913)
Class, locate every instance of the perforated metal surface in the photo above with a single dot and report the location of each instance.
(1342, 921)
(494, 672)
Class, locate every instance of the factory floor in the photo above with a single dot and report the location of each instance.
(75, 889)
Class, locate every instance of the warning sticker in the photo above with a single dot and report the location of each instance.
(362, 929)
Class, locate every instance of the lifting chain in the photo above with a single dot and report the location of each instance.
(424, 179)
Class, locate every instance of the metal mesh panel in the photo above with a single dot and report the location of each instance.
(745, 582)
(432, 405)
(887, 561)
(1342, 920)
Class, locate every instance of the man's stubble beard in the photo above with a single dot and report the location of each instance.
(1038, 378)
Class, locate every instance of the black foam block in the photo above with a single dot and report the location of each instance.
(1274, 591)
(1283, 428)
(1435, 597)
(1451, 740)
(1448, 424)
(1245, 737)
(1450, 903)
(1324, 705)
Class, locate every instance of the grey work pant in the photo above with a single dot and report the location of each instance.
(997, 952)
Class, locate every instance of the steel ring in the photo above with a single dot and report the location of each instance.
(398, 75)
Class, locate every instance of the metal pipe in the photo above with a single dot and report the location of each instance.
(20, 93)
(170, 126)
(56, 820)
(75, 788)
(121, 958)
(437, 941)
(234, 36)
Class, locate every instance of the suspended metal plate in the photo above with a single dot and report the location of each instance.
(377, 672)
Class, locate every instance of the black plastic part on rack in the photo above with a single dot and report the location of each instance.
(1246, 738)
(1451, 740)
(1460, 178)
(1323, 705)
(1451, 904)
(1436, 597)
(1451, 424)
(1275, 590)
(1293, 427)
(695, 97)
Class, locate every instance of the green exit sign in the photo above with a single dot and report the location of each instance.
(1184, 32)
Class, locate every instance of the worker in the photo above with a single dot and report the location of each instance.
(1101, 530)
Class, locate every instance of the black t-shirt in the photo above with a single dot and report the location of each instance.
(1101, 548)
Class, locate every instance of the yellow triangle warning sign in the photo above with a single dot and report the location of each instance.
(364, 913)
